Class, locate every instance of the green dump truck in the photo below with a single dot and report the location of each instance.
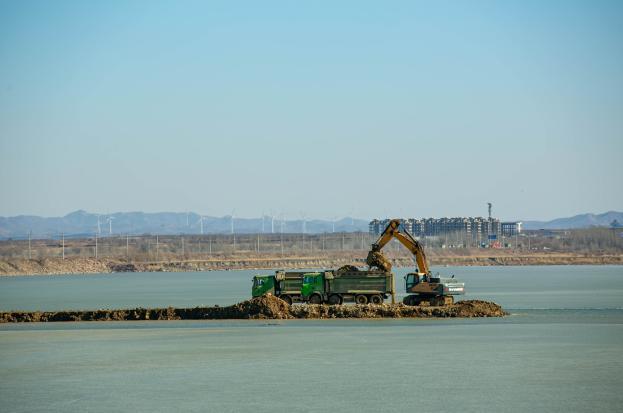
(362, 287)
(285, 285)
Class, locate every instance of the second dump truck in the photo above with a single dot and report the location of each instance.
(335, 287)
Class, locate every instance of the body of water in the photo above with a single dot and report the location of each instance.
(561, 349)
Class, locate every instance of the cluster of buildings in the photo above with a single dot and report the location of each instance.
(481, 228)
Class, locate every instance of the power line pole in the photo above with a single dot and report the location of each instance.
(63, 235)
(96, 246)
(127, 246)
(157, 248)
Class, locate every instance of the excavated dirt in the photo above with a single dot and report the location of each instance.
(376, 259)
(267, 307)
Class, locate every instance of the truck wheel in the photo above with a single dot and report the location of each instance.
(376, 299)
(335, 299)
(286, 298)
(315, 299)
(361, 299)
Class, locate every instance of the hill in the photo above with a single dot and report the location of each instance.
(577, 221)
(82, 223)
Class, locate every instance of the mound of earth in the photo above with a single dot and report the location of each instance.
(347, 268)
(266, 307)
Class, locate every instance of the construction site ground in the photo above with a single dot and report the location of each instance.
(266, 307)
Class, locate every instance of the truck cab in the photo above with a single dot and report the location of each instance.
(262, 285)
(313, 283)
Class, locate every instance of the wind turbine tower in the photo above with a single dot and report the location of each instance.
(109, 219)
(201, 218)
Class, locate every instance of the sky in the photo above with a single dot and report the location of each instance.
(316, 109)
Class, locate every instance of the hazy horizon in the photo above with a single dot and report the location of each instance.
(323, 109)
(279, 216)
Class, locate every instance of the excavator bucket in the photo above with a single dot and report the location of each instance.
(376, 259)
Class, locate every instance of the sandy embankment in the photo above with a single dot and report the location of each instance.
(105, 265)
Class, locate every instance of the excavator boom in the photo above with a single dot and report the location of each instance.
(376, 258)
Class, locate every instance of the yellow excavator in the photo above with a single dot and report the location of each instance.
(423, 286)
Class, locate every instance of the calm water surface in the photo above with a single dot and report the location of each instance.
(560, 351)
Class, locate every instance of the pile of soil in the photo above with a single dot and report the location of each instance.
(266, 307)
(347, 268)
(462, 309)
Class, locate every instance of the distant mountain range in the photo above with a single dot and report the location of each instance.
(578, 221)
(82, 223)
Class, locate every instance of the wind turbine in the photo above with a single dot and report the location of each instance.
(200, 221)
(109, 219)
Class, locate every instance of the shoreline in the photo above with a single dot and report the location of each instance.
(58, 266)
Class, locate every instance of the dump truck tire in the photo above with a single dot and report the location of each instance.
(286, 298)
(361, 299)
(315, 299)
(376, 299)
(335, 299)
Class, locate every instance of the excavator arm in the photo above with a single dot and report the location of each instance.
(377, 259)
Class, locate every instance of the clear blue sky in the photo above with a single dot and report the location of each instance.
(325, 108)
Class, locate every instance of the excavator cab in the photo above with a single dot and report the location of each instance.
(411, 280)
(414, 278)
